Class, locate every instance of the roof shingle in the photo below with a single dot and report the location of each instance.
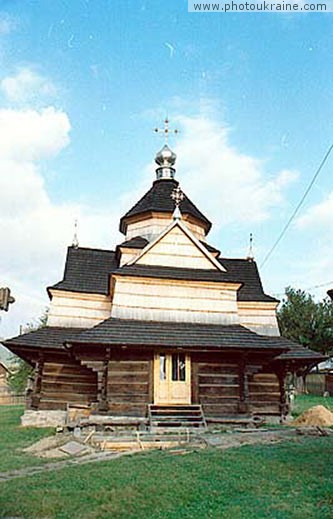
(173, 334)
(88, 270)
(158, 199)
(47, 337)
(164, 334)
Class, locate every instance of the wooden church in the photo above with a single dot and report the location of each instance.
(162, 323)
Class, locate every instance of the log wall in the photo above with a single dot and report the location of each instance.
(130, 384)
(216, 386)
(66, 382)
(264, 393)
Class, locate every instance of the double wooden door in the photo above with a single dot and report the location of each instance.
(172, 379)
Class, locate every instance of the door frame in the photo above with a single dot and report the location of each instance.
(163, 390)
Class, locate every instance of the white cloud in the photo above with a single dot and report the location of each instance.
(232, 186)
(319, 215)
(30, 135)
(34, 231)
(317, 225)
(27, 86)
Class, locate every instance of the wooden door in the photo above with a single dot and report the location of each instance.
(172, 379)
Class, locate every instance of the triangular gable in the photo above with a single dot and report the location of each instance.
(177, 246)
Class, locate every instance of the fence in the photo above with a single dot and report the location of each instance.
(10, 399)
(318, 384)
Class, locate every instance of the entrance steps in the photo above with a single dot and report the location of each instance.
(176, 417)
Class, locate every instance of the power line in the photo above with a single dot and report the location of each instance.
(299, 205)
(320, 286)
(329, 283)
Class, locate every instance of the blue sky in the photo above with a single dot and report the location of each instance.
(250, 93)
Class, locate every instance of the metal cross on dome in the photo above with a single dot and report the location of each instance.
(177, 196)
(166, 130)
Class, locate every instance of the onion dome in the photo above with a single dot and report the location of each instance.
(165, 159)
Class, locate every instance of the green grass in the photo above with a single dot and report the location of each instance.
(289, 480)
(304, 402)
(14, 438)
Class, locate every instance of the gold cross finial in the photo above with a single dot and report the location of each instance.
(166, 130)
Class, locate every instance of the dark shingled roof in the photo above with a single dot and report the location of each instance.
(297, 351)
(330, 293)
(135, 243)
(210, 248)
(158, 199)
(173, 334)
(88, 270)
(155, 271)
(237, 271)
(47, 337)
(165, 334)
(246, 271)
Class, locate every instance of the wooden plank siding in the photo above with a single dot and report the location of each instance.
(157, 223)
(174, 300)
(130, 383)
(66, 382)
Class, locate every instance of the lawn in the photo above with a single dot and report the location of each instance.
(288, 480)
(278, 481)
(304, 402)
(14, 438)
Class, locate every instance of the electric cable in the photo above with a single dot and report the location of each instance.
(299, 205)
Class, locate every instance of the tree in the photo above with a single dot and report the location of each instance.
(22, 370)
(306, 321)
(18, 377)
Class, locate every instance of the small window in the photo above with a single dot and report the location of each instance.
(178, 368)
(162, 367)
